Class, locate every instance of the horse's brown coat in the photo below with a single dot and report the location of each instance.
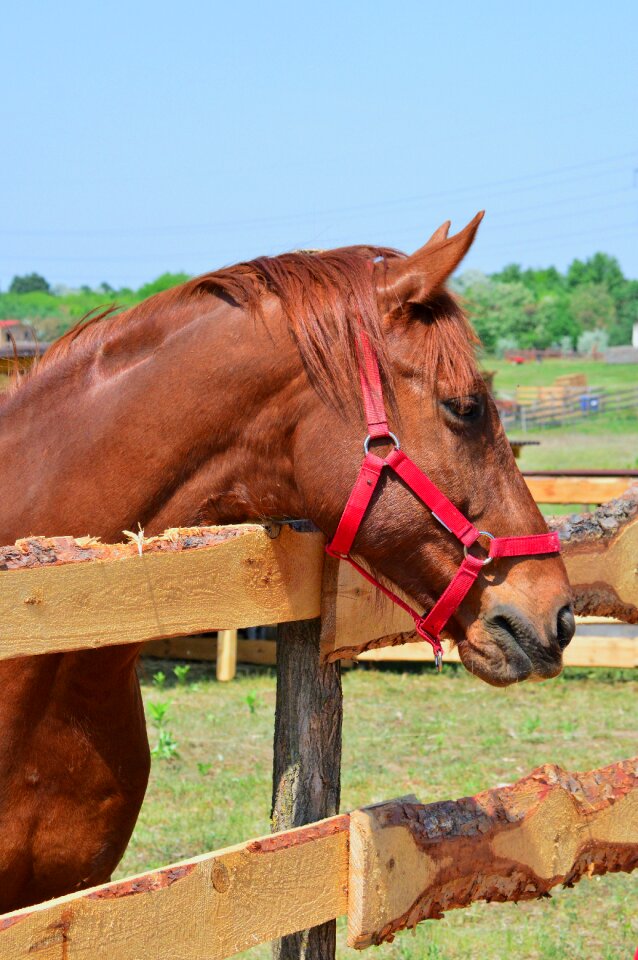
(235, 397)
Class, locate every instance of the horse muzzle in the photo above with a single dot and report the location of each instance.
(503, 646)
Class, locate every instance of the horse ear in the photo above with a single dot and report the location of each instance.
(439, 234)
(415, 278)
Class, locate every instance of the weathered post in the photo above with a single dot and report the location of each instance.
(307, 756)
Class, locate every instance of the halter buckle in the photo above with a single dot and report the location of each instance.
(389, 436)
(466, 549)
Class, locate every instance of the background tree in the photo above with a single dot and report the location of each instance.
(592, 307)
(600, 268)
(29, 283)
(516, 308)
(626, 297)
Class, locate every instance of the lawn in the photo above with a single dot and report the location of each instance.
(405, 731)
(606, 441)
(602, 441)
(509, 376)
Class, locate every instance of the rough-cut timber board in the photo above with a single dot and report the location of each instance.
(61, 594)
(410, 862)
(611, 644)
(576, 489)
(601, 553)
(598, 643)
(600, 550)
(203, 909)
(205, 648)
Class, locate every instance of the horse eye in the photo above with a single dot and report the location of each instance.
(464, 408)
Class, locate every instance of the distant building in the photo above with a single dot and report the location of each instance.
(16, 330)
(628, 354)
(18, 338)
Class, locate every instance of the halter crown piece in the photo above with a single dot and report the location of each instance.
(428, 625)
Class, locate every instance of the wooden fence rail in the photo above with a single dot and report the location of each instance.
(60, 594)
(388, 867)
(595, 644)
(546, 488)
(598, 642)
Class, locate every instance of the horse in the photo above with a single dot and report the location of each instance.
(235, 397)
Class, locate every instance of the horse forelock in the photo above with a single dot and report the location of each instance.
(327, 298)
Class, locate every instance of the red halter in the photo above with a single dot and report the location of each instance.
(428, 625)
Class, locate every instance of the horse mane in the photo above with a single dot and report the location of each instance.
(327, 297)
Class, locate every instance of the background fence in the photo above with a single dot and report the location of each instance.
(551, 407)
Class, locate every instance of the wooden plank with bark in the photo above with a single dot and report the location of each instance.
(60, 594)
(600, 550)
(411, 862)
(207, 908)
(576, 489)
(601, 554)
(388, 866)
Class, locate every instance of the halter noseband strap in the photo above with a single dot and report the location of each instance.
(428, 625)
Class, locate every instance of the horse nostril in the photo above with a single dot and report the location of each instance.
(565, 626)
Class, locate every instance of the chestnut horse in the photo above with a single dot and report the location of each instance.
(235, 397)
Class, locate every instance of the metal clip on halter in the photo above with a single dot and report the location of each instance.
(389, 436)
(482, 533)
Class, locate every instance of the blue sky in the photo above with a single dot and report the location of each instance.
(140, 137)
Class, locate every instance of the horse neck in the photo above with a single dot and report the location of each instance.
(194, 430)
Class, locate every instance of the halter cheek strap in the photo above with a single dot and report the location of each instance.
(428, 625)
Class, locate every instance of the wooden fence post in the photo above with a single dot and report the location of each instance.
(307, 757)
(226, 667)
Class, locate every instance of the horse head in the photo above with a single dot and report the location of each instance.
(515, 622)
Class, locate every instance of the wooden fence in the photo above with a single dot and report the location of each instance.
(600, 642)
(387, 866)
(556, 406)
(578, 486)
(59, 594)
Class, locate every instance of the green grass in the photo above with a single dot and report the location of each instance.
(405, 731)
(509, 376)
(606, 441)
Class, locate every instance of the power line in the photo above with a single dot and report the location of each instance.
(350, 209)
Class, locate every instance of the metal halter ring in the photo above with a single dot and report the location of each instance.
(390, 436)
(482, 533)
